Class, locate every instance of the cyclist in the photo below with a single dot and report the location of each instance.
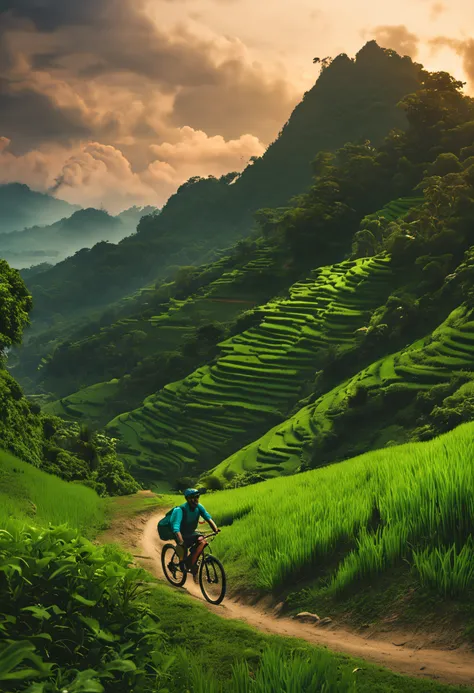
(184, 520)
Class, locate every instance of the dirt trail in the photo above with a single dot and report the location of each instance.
(446, 666)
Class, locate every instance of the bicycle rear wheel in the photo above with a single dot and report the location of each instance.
(212, 580)
(171, 568)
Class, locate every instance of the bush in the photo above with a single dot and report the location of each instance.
(213, 483)
(68, 591)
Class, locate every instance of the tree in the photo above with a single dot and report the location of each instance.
(15, 304)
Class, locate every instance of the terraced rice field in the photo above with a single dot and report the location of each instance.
(221, 300)
(397, 208)
(258, 376)
(85, 404)
(428, 362)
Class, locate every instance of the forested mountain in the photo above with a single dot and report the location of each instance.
(352, 99)
(83, 229)
(21, 207)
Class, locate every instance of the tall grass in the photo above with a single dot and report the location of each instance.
(29, 495)
(317, 672)
(357, 519)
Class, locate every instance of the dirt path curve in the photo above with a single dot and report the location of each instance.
(446, 666)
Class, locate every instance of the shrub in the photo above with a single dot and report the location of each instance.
(58, 590)
(213, 483)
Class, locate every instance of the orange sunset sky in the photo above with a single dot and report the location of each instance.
(117, 102)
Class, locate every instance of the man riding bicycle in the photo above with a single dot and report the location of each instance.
(184, 520)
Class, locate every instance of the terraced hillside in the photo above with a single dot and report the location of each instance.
(389, 384)
(257, 379)
(132, 339)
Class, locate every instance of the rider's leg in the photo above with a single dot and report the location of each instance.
(191, 543)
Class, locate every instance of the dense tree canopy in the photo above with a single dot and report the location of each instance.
(15, 303)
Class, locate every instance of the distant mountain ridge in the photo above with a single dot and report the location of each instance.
(21, 207)
(83, 229)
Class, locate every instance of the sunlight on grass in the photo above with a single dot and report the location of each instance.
(30, 495)
(411, 502)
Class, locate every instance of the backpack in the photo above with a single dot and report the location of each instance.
(164, 525)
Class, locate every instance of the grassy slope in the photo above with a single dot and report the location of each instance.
(258, 377)
(433, 361)
(391, 515)
(31, 496)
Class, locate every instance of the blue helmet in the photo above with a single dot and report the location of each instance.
(191, 492)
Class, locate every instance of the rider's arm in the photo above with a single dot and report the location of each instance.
(213, 525)
(176, 518)
(204, 514)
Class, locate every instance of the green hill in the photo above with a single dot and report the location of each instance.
(156, 323)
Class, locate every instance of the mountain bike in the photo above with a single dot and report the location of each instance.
(209, 569)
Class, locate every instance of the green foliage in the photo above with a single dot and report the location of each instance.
(446, 570)
(58, 590)
(405, 503)
(413, 394)
(213, 483)
(15, 304)
(58, 447)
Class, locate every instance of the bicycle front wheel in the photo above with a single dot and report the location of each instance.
(212, 580)
(171, 567)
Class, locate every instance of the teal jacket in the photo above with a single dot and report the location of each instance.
(185, 520)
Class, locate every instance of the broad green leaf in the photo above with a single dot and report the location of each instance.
(87, 602)
(125, 665)
(14, 654)
(38, 612)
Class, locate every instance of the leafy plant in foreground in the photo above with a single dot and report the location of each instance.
(72, 617)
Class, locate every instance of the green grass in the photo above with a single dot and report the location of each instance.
(31, 496)
(357, 520)
(218, 645)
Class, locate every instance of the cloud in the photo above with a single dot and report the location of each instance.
(97, 174)
(398, 38)
(95, 47)
(195, 150)
(437, 9)
(30, 118)
(239, 100)
(118, 108)
(49, 15)
(35, 168)
(465, 49)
